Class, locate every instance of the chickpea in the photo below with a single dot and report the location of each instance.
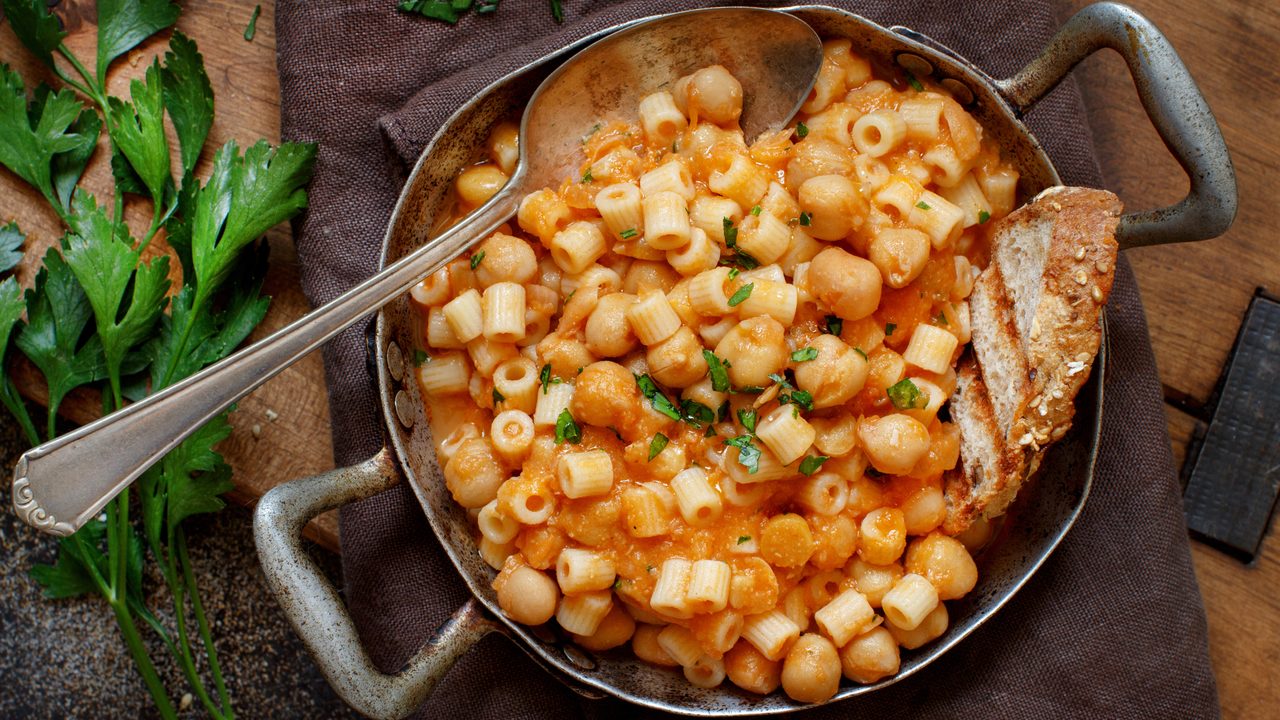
(478, 183)
(786, 541)
(874, 581)
(846, 283)
(811, 672)
(816, 156)
(473, 474)
(883, 536)
(714, 94)
(929, 629)
(900, 254)
(608, 332)
(945, 563)
(870, 657)
(506, 259)
(616, 629)
(835, 375)
(924, 509)
(565, 355)
(677, 361)
(755, 348)
(529, 597)
(645, 275)
(893, 443)
(644, 643)
(750, 670)
(605, 394)
(834, 204)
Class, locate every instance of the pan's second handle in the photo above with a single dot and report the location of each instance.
(318, 614)
(1173, 103)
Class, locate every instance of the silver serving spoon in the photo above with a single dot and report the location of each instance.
(60, 485)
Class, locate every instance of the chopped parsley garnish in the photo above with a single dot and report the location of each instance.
(497, 397)
(748, 420)
(811, 463)
(872, 472)
(862, 353)
(617, 584)
(252, 27)
(730, 233)
(557, 12)
(674, 148)
(941, 319)
(905, 395)
(923, 205)
(756, 210)
(696, 414)
(477, 259)
(983, 217)
(544, 377)
(889, 328)
(800, 398)
(804, 355)
(722, 413)
(586, 176)
(657, 445)
(805, 218)
(743, 293)
(716, 369)
(781, 380)
(628, 233)
(748, 454)
(801, 130)
(567, 429)
(742, 539)
(420, 357)
(657, 399)
(914, 83)
(835, 324)
(733, 273)
(594, 129)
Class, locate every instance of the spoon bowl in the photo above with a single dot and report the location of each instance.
(60, 485)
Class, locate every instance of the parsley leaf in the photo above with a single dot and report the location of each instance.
(28, 149)
(477, 259)
(923, 205)
(69, 166)
(862, 353)
(802, 130)
(696, 414)
(123, 24)
(742, 539)
(567, 430)
(835, 324)
(804, 354)
(733, 273)
(188, 97)
(657, 399)
(799, 398)
(11, 240)
(11, 308)
(657, 445)
(252, 27)
(79, 558)
(811, 463)
(100, 253)
(781, 380)
(497, 398)
(35, 26)
(628, 233)
(914, 83)
(748, 454)
(905, 395)
(420, 357)
(742, 294)
(730, 233)
(983, 217)
(716, 369)
(586, 176)
(137, 129)
(805, 219)
(748, 420)
(557, 11)
(435, 9)
(544, 377)
(889, 328)
(756, 210)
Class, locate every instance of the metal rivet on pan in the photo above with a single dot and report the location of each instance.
(915, 64)
(958, 90)
(579, 658)
(395, 361)
(404, 408)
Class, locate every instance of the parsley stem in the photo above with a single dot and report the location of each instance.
(140, 658)
(202, 623)
(95, 90)
(13, 401)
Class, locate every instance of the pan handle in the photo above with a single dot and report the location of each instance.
(317, 613)
(1173, 103)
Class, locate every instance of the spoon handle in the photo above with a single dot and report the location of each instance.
(60, 485)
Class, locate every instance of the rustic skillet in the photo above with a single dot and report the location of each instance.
(1040, 518)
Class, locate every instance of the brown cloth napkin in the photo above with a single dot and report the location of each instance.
(1112, 625)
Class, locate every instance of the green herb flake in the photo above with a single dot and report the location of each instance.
(594, 129)
(811, 463)
(742, 294)
(733, 273)
(802, 130)
(889, 328)
(696, 414)
(983, 217)
(557, 11)
(617, 584)
(800, 398)
(748, 454)
(805, 219)
(477, 259)
(586, 176)
(420, 357)
(861, 352)
(835, 324)
(781, 380)
(716, 369)
(804, 355)
(628, 233)
(923, 205)
(252, 27)
(567, 429)
(905, 395)
(914, 83)
(657, 399)
(756, 210)
(544, 377)
(730, 233)
(657, 445)
(941, 319)
(744, 539)
(497, 398)
(748, 420)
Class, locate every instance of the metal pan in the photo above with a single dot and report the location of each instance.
(1040, 518)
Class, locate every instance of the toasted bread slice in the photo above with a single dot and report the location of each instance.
(1035, 312)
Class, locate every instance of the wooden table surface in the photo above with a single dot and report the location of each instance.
(1195, 295)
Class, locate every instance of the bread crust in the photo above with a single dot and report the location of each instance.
(1037, 311)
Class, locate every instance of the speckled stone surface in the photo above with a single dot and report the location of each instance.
(65, 658)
